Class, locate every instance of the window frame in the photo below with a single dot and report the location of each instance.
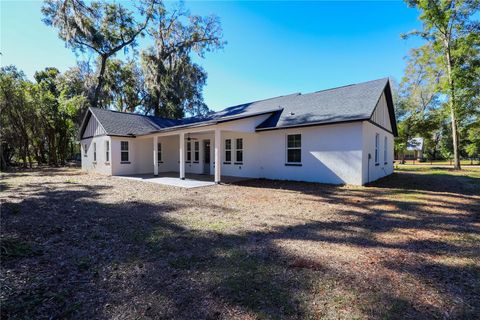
(85, 150)
(159, 152)
(385, 154)
(288, 148)
(377, 147)
(228, 151)
(237, 150)
(188, 158)
(94, 152)
(107, 151)
(196, 151)
(124, 151)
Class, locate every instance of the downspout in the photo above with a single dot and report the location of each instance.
(368, 167)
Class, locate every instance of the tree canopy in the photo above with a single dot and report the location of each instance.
(441, 83)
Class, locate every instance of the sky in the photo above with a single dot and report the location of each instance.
(273, 48)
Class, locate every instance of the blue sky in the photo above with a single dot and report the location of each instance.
(274, 48)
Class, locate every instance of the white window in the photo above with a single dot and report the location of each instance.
(385, 143)
(107, 151)
(196, 151)
(189, 151)
(294, 148)
(238, 151)
(377, 142)
(85, 150)
(228, 151)
(124, 151)
(159, 152)
(94, 151)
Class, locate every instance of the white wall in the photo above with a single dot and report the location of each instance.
(101, 165)
(170, 154)
(336, 154)
(140, 156)
(371, 171)
(330, 154)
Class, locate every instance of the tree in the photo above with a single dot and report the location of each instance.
(452, 35)
(16, 116)
(100, 27)
(124, 87)
(173, 81)
(37, 119)
(419, 104)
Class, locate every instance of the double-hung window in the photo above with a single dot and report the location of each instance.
(85, 150)
(294, 149)
(228, 151)
(107, 151)
(239, 151)
(189, 151)
(94, 151)
(159, 152)
(124, 151)
(377, 143)
(385, 143)
(196, 151)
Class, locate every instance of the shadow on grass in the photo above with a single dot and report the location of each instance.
(439, 181)
(131, 260)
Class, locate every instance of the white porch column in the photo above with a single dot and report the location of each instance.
(182, 155)
(218, 152)
(155, 155)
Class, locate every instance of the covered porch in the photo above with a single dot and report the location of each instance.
(206, 151)
(200, 152)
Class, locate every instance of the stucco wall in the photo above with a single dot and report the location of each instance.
(140, 156)
(101, 165)
(336, 154)
(371, 171)
(330, 154)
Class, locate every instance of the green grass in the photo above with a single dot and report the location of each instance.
(440, 162)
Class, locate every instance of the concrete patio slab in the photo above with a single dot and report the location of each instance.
(171, 179)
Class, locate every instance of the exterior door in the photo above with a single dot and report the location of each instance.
(206, 156)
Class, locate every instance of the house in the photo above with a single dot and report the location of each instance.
(339, 136)
(414, 149)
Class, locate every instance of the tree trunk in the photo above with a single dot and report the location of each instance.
(451, 84)
(100, 80)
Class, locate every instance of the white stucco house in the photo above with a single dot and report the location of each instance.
(339, 136)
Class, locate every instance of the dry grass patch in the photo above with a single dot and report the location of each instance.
(80, 246)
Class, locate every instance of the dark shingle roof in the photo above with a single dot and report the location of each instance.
(124, 124)
(348, 103)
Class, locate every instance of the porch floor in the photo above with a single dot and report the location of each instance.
(172, 179)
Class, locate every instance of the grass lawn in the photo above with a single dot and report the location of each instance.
(464, 162)
(75, 245)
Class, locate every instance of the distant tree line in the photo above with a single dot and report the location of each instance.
(438, 98)
(40, 119)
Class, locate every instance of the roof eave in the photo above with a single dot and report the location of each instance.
(310, 124)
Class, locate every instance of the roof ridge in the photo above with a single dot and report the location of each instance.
(349, 85)
(133, 113)
(260, 100)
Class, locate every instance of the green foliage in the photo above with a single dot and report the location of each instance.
(104, 28)
(442, 80)
(38, 119)
(473, 146)
(123, 88)
(173, 82)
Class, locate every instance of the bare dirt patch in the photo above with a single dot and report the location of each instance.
(75, 245)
